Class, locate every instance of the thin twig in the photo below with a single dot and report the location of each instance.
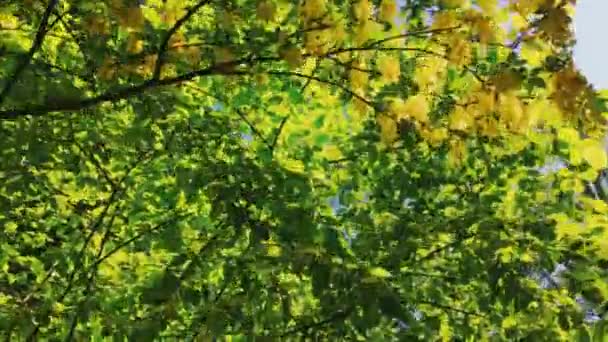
(450, 308)
(277, 134)
(411, 34)
(320, 80)
(338, 315)
(131, 240)
(255, 131)
(24, 62)
(92, 275)
(93, 158)
(178, 24)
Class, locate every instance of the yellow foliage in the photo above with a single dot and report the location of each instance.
(483, 27)
(362, 10)
(192, 54)
(460, 51)
(389, 68)
(388, 129)
(511, 110)
(488, 7)
(445, 19)
(223, 55)
(505, 81)
(293, 56)
(358, 77)
(266, 10)
(107, 70)
(429, 73)
(360, 107)
(313, 9)
(172, 11)
(460, 120)
(555, 24)
(226, 19)
(388, 10)
(146, 68)
(318, 41)
(363, 32)
(486, 101)
(435, 136)
(416, 107)
(134, 44)
(534, 52)
(526, 7)
(132, 18)
(455, 3)
(594, 154)
(96, 25)
(457, 152)
(488, 127)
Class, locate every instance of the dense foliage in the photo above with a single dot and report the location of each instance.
(368, 170)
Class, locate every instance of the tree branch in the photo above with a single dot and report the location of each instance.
(68, 105)
(23, 63)
(338, 315)
(277, 134)
(131, 240)
(252, 127)
(412, 34)
(92, 274)
(239, 112)
(93, 158)
(449, 308)
(162, 51)
(320, 80)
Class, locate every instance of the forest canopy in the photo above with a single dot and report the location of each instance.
(323, 169)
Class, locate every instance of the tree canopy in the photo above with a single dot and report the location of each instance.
(315, 169)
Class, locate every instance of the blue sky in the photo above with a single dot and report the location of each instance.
(591, 50)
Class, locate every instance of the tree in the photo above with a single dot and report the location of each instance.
(167, 169)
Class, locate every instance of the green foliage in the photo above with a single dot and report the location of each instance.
(180, 170)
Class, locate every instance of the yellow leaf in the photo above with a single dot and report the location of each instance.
(416, 107)
(10, 227)
(134, 44)
(388, 129)
(293, 56)
(313, 9)
(460, 51)
(388, 10)
(488, 7)
(569, 135)
(293, 165)
(594, 154)
(266, 10)
(533, 53)
(389, 68)
(362, 10)
(332, 152)
(131, 18)
(526, 257)
(457, 153)
(107, 70)
(460, 120)
(273, 250)
(379, 272)
(223, 55)
(509, 322)
(181, 200)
